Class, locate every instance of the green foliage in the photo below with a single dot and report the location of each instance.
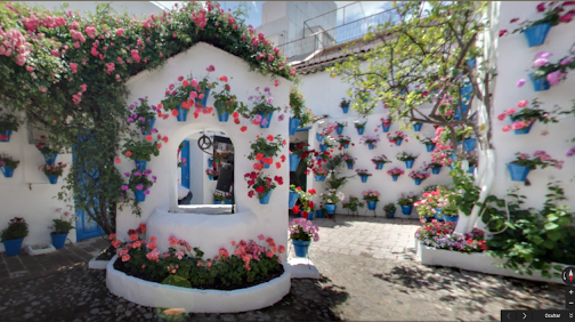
(219, 196)
(8, 161)
(142, 114)
(17, 228)
(45, 148)
(64, 224)
(177, 280)
(138, 180)
(140, 149)
(404, 156)
(263, 103)
(353, 204)
(468, 192)
(8, 122)
(297, 103)
(531, 240)
(407, 199)
(389, 207)
(53, 170)
(267, 147)
(226, 102)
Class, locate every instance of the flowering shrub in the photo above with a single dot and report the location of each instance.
(363, 173)
(552, 12)
(389, 207)
(399, 135)
(64, 224)
(188, 93)
(525, 116)
(224, 101)
(258, 183)
(352, 204)
(296, 103)
(442, 154)
(249, 264)
(406, 199)
(53, 170)
(404, 156)
(142, 149)
(8, 122)
(343, 140)
(440, 235)
(540, 158)
(263, 104)
(438, 198)
(330, 128)
(265, 149)
(212, 172)
(138, 181)
(553, 73)
(8, 161)
(418, 175)
(380, 159)
(332, 196)
(323, 156)
(141, 114)
(368, 139)
(395, 172)
(219, 196)
(302, 229)
(302, 150)
(306, 205)
(347, 158)
(371, 195)
(44, 148)
(17, 228)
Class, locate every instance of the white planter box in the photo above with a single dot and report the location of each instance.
(40, 249)
(194, 300)
(97, 264)
(477, 262)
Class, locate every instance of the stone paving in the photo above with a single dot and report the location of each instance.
(365, 277)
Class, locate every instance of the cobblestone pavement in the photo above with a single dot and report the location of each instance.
(378, 283)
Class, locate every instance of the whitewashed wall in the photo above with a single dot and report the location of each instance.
(163, 193)
(37, 206)
(514, 62)
(323, 95)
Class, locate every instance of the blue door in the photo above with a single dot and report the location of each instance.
(185, 154)
(85, 227)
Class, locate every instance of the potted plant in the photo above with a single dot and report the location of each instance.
(524, 117)
(61, 227)
(320, 210)
(344, 141)
(331, 197)
(262, 185)
(219, 197)
(435, 167)
(408, 158)
(536, 31)
(302, 232)
(344, 104)
(464, 135)
(395, 173)
(429, 144)
(300, 152)
(547, 74)
(396, 138)
(372, 198)
(363, 174)
(380, 161)
(265, 149)
(297, 106)
(263, 109)
(228, 198)
(417, 126)
(306, 207)
(352, 204)
(370, 141)
(340, 127)
(523, 163)
(320, 174)
(450, 212)
(349, 160)
(389, 210)
(360, 126)
(13, 235)
(212, 174)
(418, 176)
(406, 202)
(139, 183)
(328, 143)
(53, 172)
(429, 205)
(8, 124)
(226, 103)
(7, 165)
(141, 151)
(294, 193)
(186, 94)
(143, 116)
(50, 153)
(386, 124)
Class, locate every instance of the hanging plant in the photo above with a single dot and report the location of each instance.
(523, 117)
(549, 74)
(344, 141)
(139, 183)
(265, 149)
(353, 204)
(263, 108)
(142, 150)
(370, 141)
(225, 102)
(7, 165)
(8, 124)
(143, 115)
(396, 138)
(188, 94)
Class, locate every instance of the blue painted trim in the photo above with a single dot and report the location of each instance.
(303, 129)
(185, 153)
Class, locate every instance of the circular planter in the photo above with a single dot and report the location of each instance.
(406, 210)
(7, 136)
(537, 34)
(379, 165)
(58, 240)
(319, 178)
(417, 181)
(151, 123)
(518, 172)
(371, 205)
(319, 137)
(223, 117)
(217, 202)
(50, 158)
(53, 179)
(182, 114)
(349, 165)
(228, 201)
(371, 146)
(417, 127)
(390, 214)
(385, 128)
(194, 300)
(13, 246)
(301, 248)
(323, 147)
(330, 208)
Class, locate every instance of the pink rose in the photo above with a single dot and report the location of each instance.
(522, 103)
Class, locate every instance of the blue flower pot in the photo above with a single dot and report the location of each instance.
(398, 142)
(539, 84)
(390, 214)
(524, 130)
(223, 117)
(266, 166)
(452, 219)
(394, 178)
(293, 162)
(210, 163)
(293, 197)
(319, 178)
(471, 170)
(406, 210)
(13, 246)
(371, 146)
(211, 177)
(361, 130)
(472, 62)
(7, 172)
(350, 165)
(339, 130)
(438, 214)
(319, 137)
(518, 172)
(371, 205)
(386, 128)
(429, 147)
(403, 92)
(330, 208)
(469, 144)
(50, 158)
(265, 197)
(417, 181)
(319, 213)
(268, 119)
(536, 35)
(140, 195)
(217, 202)
(345, 146)
(379, 166)
(436, 170)
(7, 133)
(58, 240)
(409, 164)
(182, 114)
(151, 126)
(323, 147)
(417, 127)
(53, 179)
(228, 201)
(300, 248)
(140, 164)
(345, 109)
(364, 179)
(293, 125)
